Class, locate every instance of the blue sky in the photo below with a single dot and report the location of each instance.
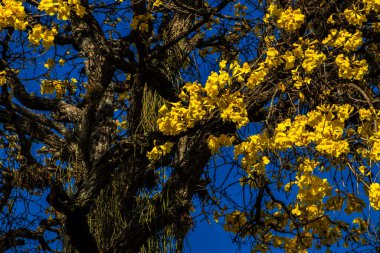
(207, 238)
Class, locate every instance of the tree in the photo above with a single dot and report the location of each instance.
(127, 115)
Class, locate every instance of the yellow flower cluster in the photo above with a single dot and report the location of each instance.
(289, 19)
(198, 101)
(253, 149)
(272, 59)
(174, 120)
(368, 114)
(257, 76)
(345, 39)
(235, 221)
(239, 72)
(312, 59)
(351, 68)
(62, 7)
(289, 59)
(320, 126)
(57, 86)
(3, 79)
(312, 189)
(371, 5)
(354, 204)
(354, 16)
(140, 22)
(299, 243)
(305, 50)
(308, 165)
(298, 80)
(373, 142)
(324, 127)
(374, 195)
(12, 14)
(368, 134)
(40, 32)
(159, 151)
(216, 142)
(311, 211)
(232, 108)
(215, 82)
(362, 225)
(178, 117)
(309, 206)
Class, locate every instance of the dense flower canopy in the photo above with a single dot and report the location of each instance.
(145, 105)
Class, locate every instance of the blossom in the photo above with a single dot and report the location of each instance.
(49, 63)
(355, 16)
(39, 33)
(3, 79)
(374, 195)
(349, 42)
(290, 19)
(62, 8)
(159, 151)
(351, 68)
(12, 14)
(216, 142)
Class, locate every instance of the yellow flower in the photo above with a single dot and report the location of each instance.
(273, 58)
(372, 5)
(62, 8)
(13, 15)
(265, 160)
(157, 3)
(235, 221)
(330, 20)
(179, 117)
(223, 64)
(289, 59)
(354, 16)
(366, 114)
(57, 86)
(282, 86)
(3, 79)
(301, 96)
(257, 76)
(159, 151)
(216, 142)
(35, 36)
(351, 68)
(312, 189)
(374, 195)
(274, 10)
(290, 19)
(345, 39)
(296, 211)
(140, 22)
(48, 37)
(233, 108)
(62, 61)
(312, 60)
(49, 63)
(40, 32)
